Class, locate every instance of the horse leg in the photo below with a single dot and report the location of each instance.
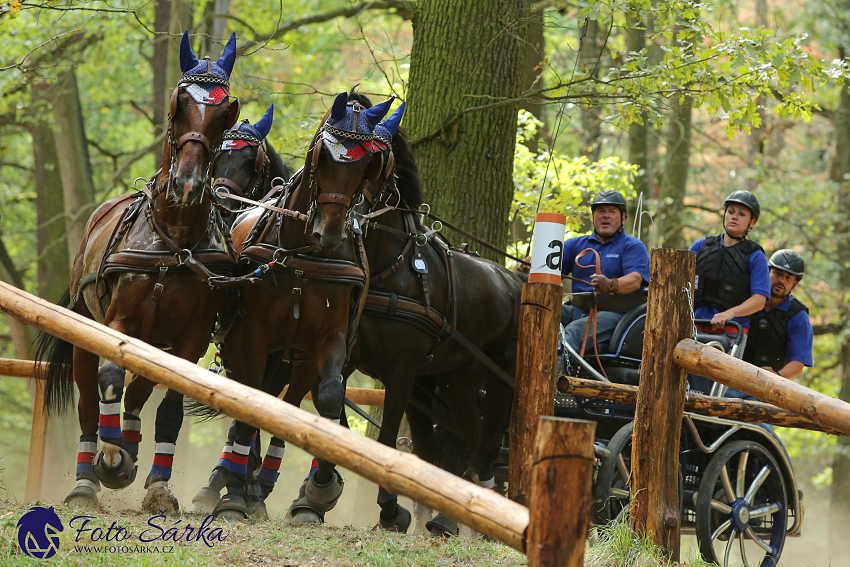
(209, 496)
(138, 392)
(422, 434)
(394, 517)
(87, 484)
(323, 486)
(497, 406)
(235, 460)
(169, 418)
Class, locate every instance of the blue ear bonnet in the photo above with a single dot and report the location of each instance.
(216, 72)
(385, 130)
(247, 134)
(342, 140)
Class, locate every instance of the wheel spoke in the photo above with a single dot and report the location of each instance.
(729, 548)
(765, 511)
(742, 471)
(721, 507)
(761, 543)
(619, 493)
(743, 550)
(720, 530)
(727, 484)
(757, 482)
(623, 469)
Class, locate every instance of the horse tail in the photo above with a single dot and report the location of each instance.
(58, 373)
(196, 409)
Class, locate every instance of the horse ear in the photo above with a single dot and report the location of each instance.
(338, 108)
(187, 56)
(265, 123)
(228, 55)
(374, 114)
(391, 123)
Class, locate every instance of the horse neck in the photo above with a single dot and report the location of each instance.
(383, 248)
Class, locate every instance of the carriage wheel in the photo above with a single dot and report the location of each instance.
(742, 507)
(611, 492)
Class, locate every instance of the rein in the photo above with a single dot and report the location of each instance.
(591, 319)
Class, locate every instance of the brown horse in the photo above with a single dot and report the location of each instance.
(143, 269)
(304, 307)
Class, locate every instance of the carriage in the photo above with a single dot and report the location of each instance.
(737, 490)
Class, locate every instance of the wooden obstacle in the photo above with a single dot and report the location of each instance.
(403, 473)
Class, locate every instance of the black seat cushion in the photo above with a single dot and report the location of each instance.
(627, 339)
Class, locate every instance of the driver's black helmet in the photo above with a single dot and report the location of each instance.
(609, 197)
(788, 261)
(745, 198)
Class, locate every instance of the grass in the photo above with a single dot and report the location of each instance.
(274, 544)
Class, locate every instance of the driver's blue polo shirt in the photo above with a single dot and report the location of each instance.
(618, 257)
(759, 282)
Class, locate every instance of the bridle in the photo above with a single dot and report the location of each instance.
(261, 164)
(174, 146)
(317, 197)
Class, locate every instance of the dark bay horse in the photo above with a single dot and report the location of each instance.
(403, 332)
(246, 165)
(141, 270)
(306, 304)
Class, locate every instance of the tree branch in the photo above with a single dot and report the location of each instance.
(827, 329)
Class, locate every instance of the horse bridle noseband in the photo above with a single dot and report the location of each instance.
(260, 164)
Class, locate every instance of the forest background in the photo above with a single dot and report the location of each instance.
(512, 107)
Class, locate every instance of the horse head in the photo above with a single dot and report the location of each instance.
(201, 108)
(242, 165)
(345, 155)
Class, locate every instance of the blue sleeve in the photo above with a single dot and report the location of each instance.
(800, 337)
(569, 259)
(697, 246)
(759, 274)
(636, 259)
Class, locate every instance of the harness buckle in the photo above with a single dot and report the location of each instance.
(180, 261)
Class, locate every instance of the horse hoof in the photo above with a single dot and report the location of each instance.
(231, 509)
(257, 509)
(159, 500)
(82, 497)
(306, 516)
(441, 526)
(205, 500)
(399, 523)
(117, 477)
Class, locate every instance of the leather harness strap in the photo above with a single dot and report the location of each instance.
(592, 316)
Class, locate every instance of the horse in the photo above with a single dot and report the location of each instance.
(402, 337)
(246, 165)
(142, 269)
(310, 278)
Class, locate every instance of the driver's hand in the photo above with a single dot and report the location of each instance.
(719, 320)
(603, 284)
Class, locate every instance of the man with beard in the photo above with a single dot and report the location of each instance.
(780, 337)
(624, 267)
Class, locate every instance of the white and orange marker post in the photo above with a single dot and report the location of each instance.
(539, 319)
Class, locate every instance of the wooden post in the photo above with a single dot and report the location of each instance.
(401, 473)
(728, 408)
(38, 441)
(826, 411)
(661, 399)
(540, 316)
(560, 492)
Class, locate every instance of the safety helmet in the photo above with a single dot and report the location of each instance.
(746, 199)
(609, 197)
(788, 261)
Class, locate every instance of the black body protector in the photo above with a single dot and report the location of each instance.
(768, 339)
(723, 273)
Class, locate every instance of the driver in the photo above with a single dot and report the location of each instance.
(780, 337)
(624, 267)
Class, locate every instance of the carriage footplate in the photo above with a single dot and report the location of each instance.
(232, 508)
(314, 500)
(159, 499)
(398, 523)
(84, 494)
(442, 526)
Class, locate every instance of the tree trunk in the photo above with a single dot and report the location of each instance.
(159, 63)
(638, 133)
(589, 57)
(839, 173)
(21, 334)
(73, 155)
(676, 164)
(466, 160)
(535, 52)
(756, 139)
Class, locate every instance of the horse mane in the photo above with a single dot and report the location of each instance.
(406, 170)
(277, 167)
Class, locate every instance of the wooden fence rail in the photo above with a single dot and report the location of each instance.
(403, 473)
